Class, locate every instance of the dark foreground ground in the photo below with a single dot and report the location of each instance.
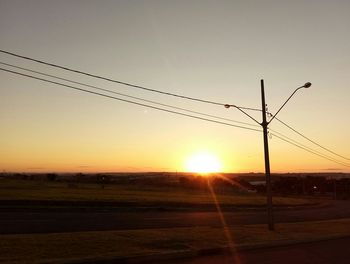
(59, 220)
(324, 252)
(22, 221)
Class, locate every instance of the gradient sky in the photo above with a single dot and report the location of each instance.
(215, 50)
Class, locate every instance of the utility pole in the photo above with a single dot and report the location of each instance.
(264, 124)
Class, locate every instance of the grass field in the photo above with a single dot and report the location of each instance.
(61, 247)
(60, 191)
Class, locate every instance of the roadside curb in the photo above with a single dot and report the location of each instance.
(187, 254)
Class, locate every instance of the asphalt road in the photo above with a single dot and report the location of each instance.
(69, 220)
(323, 252)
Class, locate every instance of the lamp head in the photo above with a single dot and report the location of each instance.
(307, 85)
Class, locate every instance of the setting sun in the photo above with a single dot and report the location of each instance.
(203, 163)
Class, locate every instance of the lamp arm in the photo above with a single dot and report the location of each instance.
(244, 112)
(273, 117)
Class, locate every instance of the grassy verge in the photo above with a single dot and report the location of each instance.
(58, 191)
(61, 247)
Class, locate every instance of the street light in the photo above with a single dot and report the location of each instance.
(264, 125)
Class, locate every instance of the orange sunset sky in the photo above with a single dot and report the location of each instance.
(213, 50)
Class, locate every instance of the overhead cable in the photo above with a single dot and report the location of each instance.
(312, 141)
(170, 106)
(117, 81)
(129, 101)
(310, 151)
(274, 132)
(300, 134)
(126, 95)
(157, 91)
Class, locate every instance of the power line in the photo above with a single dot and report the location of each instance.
(170, 106)
(300, 134)
(129, 101)
(282, 137)
(157, 108)
(317, 144)
(308, 150)
(118, 82)
(125, 95)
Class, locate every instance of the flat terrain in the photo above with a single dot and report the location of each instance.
(59, 222)
(45, 207)
(138, 195)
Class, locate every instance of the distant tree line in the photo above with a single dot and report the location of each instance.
(284, 184)
(313, 185)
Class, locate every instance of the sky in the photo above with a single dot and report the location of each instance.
(213, 50)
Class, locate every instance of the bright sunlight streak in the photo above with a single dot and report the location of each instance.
(203, 162)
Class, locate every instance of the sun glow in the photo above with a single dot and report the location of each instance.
(203, 162)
